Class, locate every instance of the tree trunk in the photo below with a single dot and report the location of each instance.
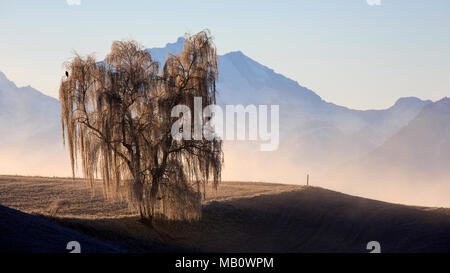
(156, 178)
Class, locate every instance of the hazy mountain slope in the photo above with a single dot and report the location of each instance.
(26, 110)
(420, 148)
(30, 132)
(351, 134)
(411, 167)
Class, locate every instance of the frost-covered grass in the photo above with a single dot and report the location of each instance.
(65, 197)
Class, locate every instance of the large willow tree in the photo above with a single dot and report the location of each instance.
(116, 118)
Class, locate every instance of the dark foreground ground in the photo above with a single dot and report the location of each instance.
(301, 219)
(21, 232)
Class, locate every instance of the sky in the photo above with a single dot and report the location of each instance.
(349, 52)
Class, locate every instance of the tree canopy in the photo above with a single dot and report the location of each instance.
(116, 120)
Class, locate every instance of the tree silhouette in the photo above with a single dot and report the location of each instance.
(116, 119)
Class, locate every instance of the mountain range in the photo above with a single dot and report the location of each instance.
(315, 135)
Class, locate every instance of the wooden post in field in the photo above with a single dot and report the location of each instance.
(307, 180)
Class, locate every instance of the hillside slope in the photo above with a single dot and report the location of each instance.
(242, 217)
(308, 220)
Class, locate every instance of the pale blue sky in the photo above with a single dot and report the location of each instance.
(346, 51)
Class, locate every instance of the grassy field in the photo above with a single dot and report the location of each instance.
(65, 197)
(239, 217)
